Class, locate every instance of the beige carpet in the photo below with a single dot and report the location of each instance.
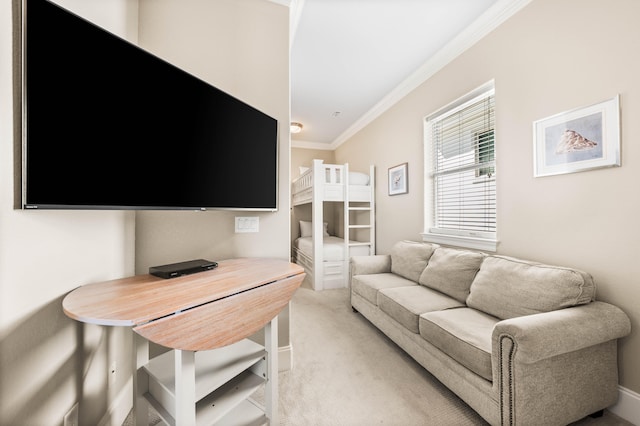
(348, 373)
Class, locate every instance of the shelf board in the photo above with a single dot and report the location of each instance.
(212, 369)
(162, 412)
(246, 414)
(229, 403)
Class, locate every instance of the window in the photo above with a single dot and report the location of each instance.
(461, 187)
(484, 153)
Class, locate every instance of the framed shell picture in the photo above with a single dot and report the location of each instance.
(582, 139)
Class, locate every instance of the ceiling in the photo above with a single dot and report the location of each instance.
(352, 59)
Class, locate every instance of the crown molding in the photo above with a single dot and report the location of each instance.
(311, 145)
(487, 22)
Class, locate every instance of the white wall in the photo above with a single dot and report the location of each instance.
(48, 361)
(548, 58)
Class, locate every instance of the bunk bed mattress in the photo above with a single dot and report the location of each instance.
(333, 248)
(359, 188)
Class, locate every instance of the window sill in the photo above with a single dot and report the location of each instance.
(461, 241)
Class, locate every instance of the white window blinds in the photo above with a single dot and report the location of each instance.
(463, 175)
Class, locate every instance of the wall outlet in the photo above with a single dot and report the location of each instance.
(71, 418)
(247, 224)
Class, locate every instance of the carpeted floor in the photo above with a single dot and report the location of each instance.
(347, 373)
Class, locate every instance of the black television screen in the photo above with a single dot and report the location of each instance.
(108, 125)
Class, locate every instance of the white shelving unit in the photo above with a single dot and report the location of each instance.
(213, 387)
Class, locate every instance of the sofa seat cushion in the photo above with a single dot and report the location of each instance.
(464, 334)
(406, 304)
(409, 258)
(506, 287)
(367, 286)
(451, 271)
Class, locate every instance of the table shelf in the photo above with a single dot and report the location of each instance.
(224, 380)
(213, 368)
(229, 405)
(247, 413)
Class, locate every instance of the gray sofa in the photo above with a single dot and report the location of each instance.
(520, 342)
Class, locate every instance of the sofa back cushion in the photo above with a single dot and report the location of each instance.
(506, 287)
(409, 258)
(451, 271)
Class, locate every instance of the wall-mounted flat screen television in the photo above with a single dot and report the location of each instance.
(107, 125)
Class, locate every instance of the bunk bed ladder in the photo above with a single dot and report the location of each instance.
(358, 207)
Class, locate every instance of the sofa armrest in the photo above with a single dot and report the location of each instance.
(557, 367)
(548, 334)
(365, 265)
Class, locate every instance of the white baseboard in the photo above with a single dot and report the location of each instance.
(120, 407)
(628, 406)
(285, 358)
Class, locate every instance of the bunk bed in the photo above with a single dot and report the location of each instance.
(325, 257)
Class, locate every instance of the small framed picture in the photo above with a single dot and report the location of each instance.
(578, 140)
(398, 179)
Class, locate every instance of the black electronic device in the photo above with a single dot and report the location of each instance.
(179, 269)
(108, 125)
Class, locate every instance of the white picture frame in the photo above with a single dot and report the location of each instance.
(398, 183)
(578, 140)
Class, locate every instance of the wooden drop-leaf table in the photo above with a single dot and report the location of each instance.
(206, 318)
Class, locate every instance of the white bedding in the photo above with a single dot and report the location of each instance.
(333, 248)
(357, 178)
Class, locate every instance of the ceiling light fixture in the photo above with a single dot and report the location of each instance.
(296, 127)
